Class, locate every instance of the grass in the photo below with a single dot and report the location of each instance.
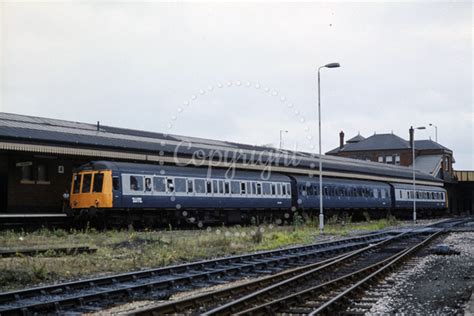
(126, 250)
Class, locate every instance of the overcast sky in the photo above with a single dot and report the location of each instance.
(244, 71)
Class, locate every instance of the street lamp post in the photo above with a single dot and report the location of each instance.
(436, 131)
(414, 179)
(281, 137)
(321, 212)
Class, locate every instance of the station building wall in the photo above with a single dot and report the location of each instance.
(41, 188)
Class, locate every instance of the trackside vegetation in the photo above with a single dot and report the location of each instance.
(129, 249)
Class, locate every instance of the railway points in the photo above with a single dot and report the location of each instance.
(86, 295)
(175, 278)
(370, 270)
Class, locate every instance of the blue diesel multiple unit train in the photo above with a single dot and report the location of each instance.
(232, 196)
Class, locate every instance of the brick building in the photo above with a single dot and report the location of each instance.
(430, 157)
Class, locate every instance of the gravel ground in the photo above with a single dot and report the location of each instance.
(432, 284)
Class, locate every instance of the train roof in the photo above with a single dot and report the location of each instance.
(304, 179)
(45, 135)
(154, 169)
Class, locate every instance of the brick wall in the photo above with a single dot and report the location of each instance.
(405, 155)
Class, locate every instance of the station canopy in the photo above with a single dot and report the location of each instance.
(45, 135)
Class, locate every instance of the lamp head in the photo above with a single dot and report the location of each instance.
(421, 127)
(332, 65)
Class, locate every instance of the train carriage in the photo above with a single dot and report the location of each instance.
(343, 194)
(427, 197)
(128, 186)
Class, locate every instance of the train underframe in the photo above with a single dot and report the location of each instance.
(212, 217)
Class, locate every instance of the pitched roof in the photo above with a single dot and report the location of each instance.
(429, 164)
(378, 142)
(386, 142)
(356, 139)
(428, 144)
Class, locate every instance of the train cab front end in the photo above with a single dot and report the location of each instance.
(91, 189)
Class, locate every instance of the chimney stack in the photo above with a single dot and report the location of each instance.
(98, 126)
(341, 139)
(412, 131)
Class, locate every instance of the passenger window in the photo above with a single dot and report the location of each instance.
(226, 187)
(215, 186)
(159, 184)
(235, 187)
(77, 183)
(116, 183)
(200, 186)
(383, 193)
(169, 185)
(98, 182)
(136, 183)
(147, 184)
(273, 189)
(180, 185)
(242, 187)
(326, 191)
(254, 188)
(221, 187)
(376, 193)
(86, 183)
(284, 189)
(279, 189)
(190, 186)
(266, 188)
(259, 188)
(288, 188)
(208, 186)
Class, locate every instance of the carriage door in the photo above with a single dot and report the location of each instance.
(3, 193)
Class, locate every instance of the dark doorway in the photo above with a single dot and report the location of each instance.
(3, 193)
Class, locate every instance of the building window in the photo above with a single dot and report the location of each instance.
(397, 159)
(26, 173)
(388, 159)
(380, 159)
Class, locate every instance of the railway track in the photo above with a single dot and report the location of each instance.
(46, 251)
(296, 287)
(34, 221)
(86, 295)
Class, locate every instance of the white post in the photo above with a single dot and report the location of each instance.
(321, 212)
(414, 180)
